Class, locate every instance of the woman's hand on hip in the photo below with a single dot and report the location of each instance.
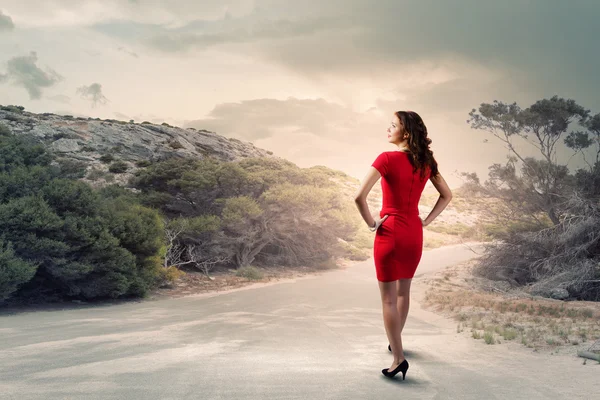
(379, 221)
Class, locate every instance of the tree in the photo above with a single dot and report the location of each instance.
(75, 240)
(542, 185)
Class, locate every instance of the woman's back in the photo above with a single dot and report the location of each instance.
(401, 186)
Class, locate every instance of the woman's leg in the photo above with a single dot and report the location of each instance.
(403, 302)
(391, 319)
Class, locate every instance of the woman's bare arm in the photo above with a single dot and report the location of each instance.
(445, 197)
(360, 198)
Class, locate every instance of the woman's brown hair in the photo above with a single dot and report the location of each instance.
(420, 155)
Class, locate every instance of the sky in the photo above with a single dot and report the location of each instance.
(316, 82)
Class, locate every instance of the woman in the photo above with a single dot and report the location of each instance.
(399, 234)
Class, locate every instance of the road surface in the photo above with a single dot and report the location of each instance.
(318, 337)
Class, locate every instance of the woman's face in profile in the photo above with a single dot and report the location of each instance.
(395, 130)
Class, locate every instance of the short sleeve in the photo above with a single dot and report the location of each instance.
(381, 163)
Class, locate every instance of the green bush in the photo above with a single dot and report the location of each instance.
(13, 117)
(22, 151)
(13, 109)
(61, 238)
(249, 272)
(106, 158)
(5, 130)
(142, 163)
(118, 167)
(95, 174)
(14, 271)
(72, 169)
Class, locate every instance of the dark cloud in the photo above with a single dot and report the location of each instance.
(544, 44)
(23, 71)
(92, 93)
(6, 22)
(550, 42)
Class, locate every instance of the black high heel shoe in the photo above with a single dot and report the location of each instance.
(403, 366)
(390, 347)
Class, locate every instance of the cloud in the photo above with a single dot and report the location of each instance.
(203, 34)
(359, 38)
(60, 98)
(263, 118)
(92, 93)
(6, 22)
(23, 71)
(306, 131)
(84, 13)
(126, 51)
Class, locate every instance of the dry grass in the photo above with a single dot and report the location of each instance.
(485, 313)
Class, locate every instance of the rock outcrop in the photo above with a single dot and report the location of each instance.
(89, 139)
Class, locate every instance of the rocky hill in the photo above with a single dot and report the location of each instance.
(98, 145)
(97, 142)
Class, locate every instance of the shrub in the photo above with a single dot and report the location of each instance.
(5, 130)
(249, 272)
(14, 271)
(175, 144)
(95, 174)
(59, 237)
(72, 169)
(106, 158)
(13, 117)
(118, 167)
(168, 276)
(13, 109)
(143, 163)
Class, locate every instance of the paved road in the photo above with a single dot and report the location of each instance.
(318, 337)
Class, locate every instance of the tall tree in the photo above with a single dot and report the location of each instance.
(542, 184)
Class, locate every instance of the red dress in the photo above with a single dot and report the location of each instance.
(398, 242)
